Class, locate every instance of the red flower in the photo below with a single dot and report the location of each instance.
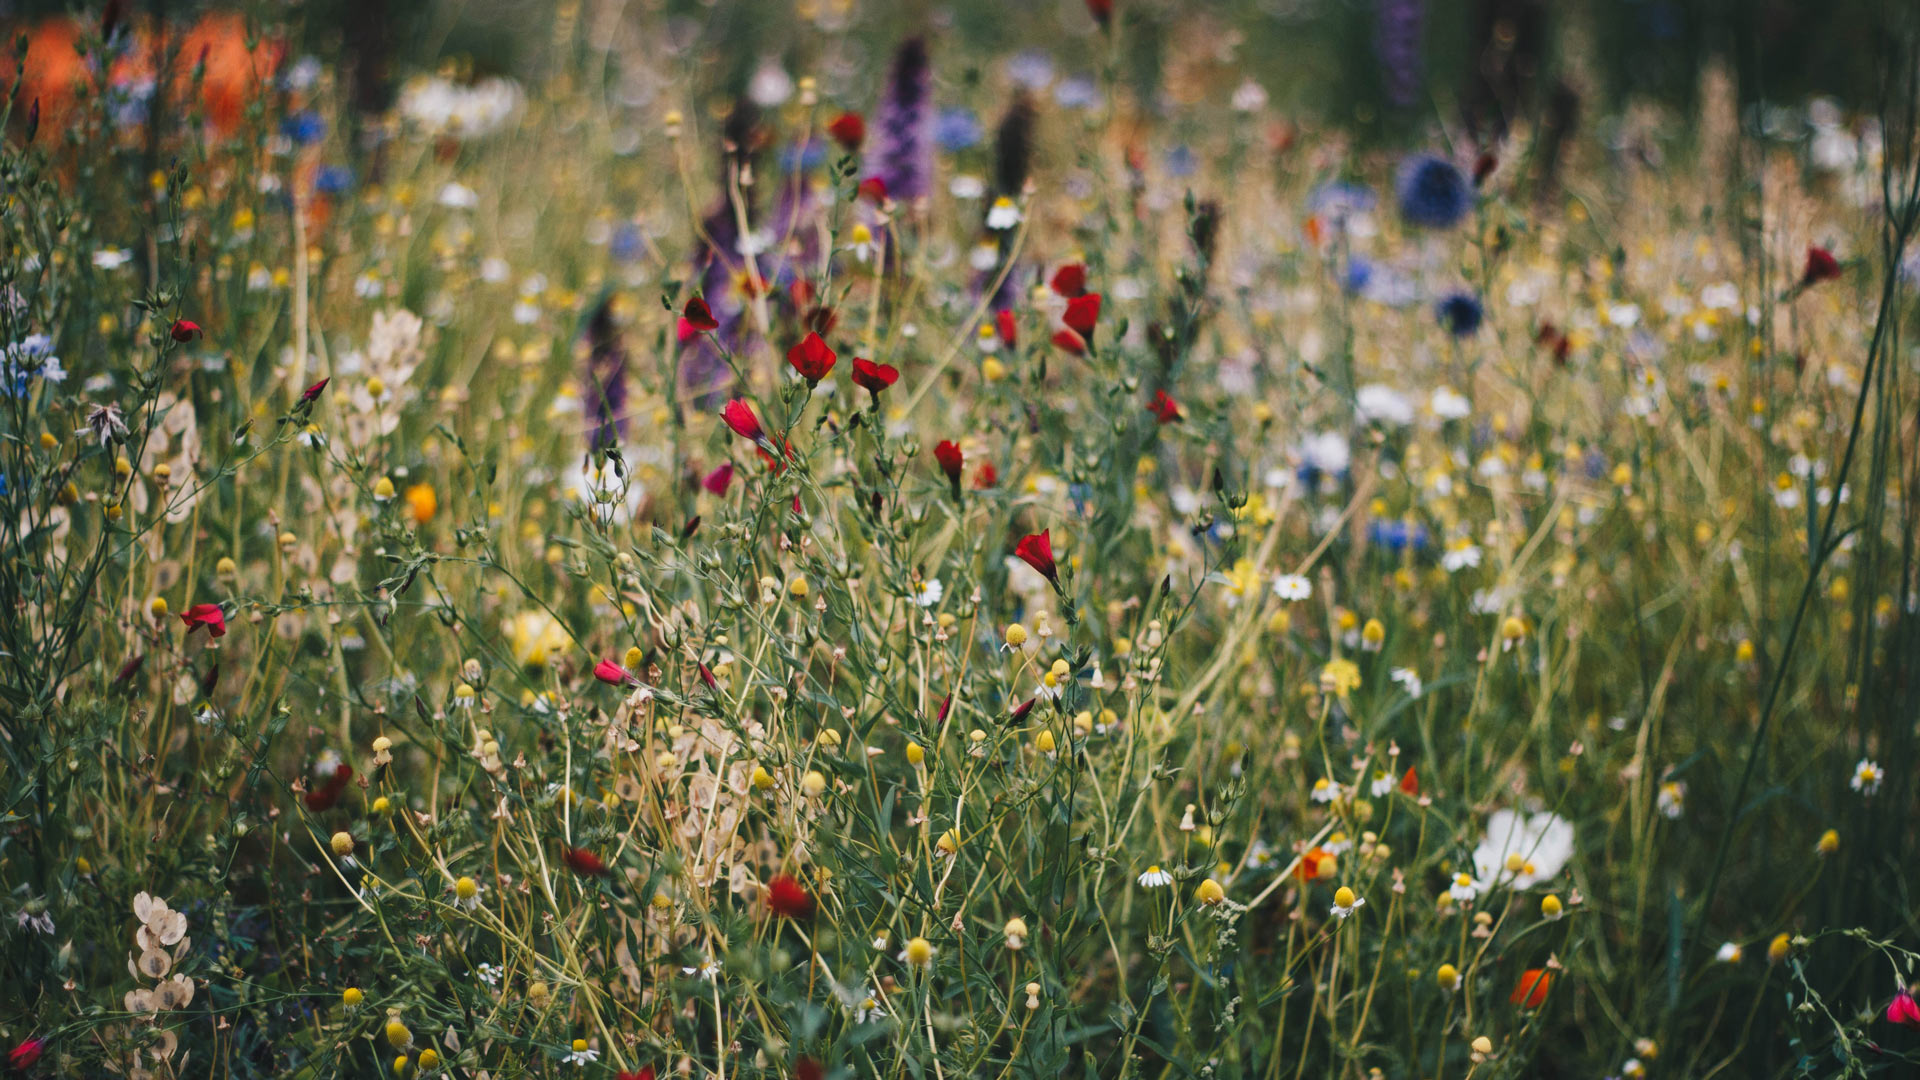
(208, 615)
(1531, 991)
(1314, 863)
(788, 898)
(1483, 167)
(947, 453)
(1410, 783)
(1008, 330)
(874, 188)
(986, 475)
(718, 479)
(1070, 341)
(706, 676)
(812, 359)
(1082, 313)
(1164, 407)
(184, 330)
(584, 862)
(27, 1054)
(311, 393)
(1071, 280)
(874, 377)
(1903, 1010)
(612, 673)
(1036, 550)
(1102, 11)
(699, 317)
(806, 1068)
(848, 129)
(644, 1072)
(322, 798)
(1021, 710)
(1821, 266)
(739, 416)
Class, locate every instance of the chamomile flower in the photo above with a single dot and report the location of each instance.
(1346, 903)
(1292, 587)
(466, 893)
(1325, 790)
(489, 973)
(1003, 214)
(1729, 953)
(918, 953)
(1463, 890)
(1154, 877)
(867, 1007)
(1867, 777)
(1408, 679)
(928, 592)
(1382, 783)
(708, 969)
(1672, 800)
(581, 1054)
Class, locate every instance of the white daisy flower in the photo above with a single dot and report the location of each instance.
(1003, 214)
(1155, 877)
(1408, 680)
(928, 593)
(707, 969)
(1463, 889)
(1867, 777)
(1292, 587)
(1346, 903)
(582, 1054)
(1728, 953)
(1672, 800)
(1325, 790)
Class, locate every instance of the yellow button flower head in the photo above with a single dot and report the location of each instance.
(1016, 931)
(1829, 842)
(1210, 893)
(397, 1033)
(1778, 948)
(915, 753)
(342, 844)
(813, 784)
(1448, 977)
(1550, 907)
(429, 1058)
(383, 489)
(351, 996)
(918, 953)
(1016, 635)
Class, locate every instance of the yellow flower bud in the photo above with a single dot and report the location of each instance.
(915, 753)
(429, 1058)
(351, 996)
(762, 779)
(1210, 892)
(1778, 948)
(1829, 842)
(1043, 742)
(158, 607)
(1447, 976)
(1550, 907)
(1482, 1045)
(383, 489)
(1016, 635)
(813, 784)
(397, 1033)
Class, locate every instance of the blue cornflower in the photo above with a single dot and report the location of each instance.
(1359, 274)
(29, 358)
(1078, 92)
(1460, 314)
(1031, 70)
(305, 127)
(333, 180)
(1181, 161)
(1433, 193)
(956, 129)
(629, 243)
(803, 157)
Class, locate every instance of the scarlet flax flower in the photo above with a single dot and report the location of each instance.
(323, 798)
(873, 189)
(1070, 280)
(849, 129)
(1008, 330)
(806, 1068)
(644, 1072)
(788, 898)
(208, 615)
(1021, 710)
(699, 317)
(312, 393)
(1531, 991)
(873, 377)
(184, 330)
(739, 416)
(1164, 407)
(1081, 315)
(1036, 550)
(1821, 266)
(1903, 1010)
(26, 1055)
(718, 480)
(611, 673)
(812, 359)
(947, 453)
(584, 862)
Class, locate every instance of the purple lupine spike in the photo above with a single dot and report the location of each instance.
(606, 379)
(1400, 27)
(903, 145)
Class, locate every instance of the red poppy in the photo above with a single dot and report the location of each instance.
(1008, 330)
(812, 359)
(1082, 313)
(1070, 341)
(644, 1072)
(1821, 266)
(874, 188)
(1036, 550)
(874, 377)
(739, 416)
(1410, 783)
(611, 673)
(788, 898)
(947, 453)
(312, 393)
(1164, 407)
(1531, 991)
(986, 475)
(584, 862)
(848, 129)
(208, 615)
(718, 480)
(184, 330)
(699, 316)
(1070, 280)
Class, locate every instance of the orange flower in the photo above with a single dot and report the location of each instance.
(1316, 863)
(1531, 991)
(422, 502)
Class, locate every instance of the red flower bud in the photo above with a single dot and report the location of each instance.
(184, 330)
(1008, 330)
(874, 188)
(739, 416)
(1821, 266)
(1102, 12)
(718, 480)
(699, 317)
(1069, 341)
(312, 393)
(1036, 550)
(611, 673)
(584, 862)
(1164, 407)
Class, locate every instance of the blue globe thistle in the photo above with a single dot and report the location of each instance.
(1433, 192)
(1460, 313)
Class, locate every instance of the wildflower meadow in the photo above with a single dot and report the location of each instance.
(841, 541)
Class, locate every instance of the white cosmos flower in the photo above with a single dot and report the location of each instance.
(1544, 843)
